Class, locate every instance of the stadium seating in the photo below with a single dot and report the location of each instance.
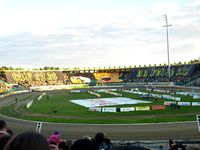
(107, 77)
(76, 80)
(4, 86)
(183, 74)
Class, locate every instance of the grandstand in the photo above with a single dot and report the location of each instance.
(181, 74)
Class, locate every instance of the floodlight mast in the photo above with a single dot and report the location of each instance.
(167, 35)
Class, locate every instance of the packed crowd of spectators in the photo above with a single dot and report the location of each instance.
(29, 79)
(31, 140)
(181, 75)
(4, 87)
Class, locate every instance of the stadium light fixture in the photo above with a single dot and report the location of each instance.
(167, 36)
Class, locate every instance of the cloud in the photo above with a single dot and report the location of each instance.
(73, 34)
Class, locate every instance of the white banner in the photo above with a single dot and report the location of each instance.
(196, 97)
(195, 103)
(188, 93)
(75, 91)
(166, 103)
(156, 95)
(113, 93)
(167, 96)
(184, 103)
(135, 89)
(58, 87)
(127, 109)
(112, 89)
(29, 104)
(40, 97)
(109, 109)
(183, 93)
(177, 98)
(93, 93)
(101, 90)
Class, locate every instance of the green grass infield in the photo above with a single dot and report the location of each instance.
(56, 107)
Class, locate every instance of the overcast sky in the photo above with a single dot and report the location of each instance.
(88, 33)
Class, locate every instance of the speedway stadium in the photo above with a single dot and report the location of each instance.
(128, 103)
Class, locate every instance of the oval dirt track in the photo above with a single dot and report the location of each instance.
(161, 131)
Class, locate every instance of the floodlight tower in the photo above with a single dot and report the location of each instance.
(167, 35)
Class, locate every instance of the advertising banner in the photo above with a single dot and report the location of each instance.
(101, 90)
(113, 93)
(127, 109)
(196, 97)
(93, 93)
(184, 103)
(183, 93)
(95, 109)
(166, 103)
(109, 109)
(158, 107)
(40, 97)
(142, 108)
(29, 104)
(195, 103)
(177, 98)
(75, 91)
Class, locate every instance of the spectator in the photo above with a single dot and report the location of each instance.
(84, 144)
(4, 140)
(10, 132)
(28, 141)
(161, 147)
(171, 144)
(87, 137)
(57, 133)
(55, 138)
(16, 99)
(102, 142)
(179, 146)
(53, 146)
(3, 128)
(63, 145)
